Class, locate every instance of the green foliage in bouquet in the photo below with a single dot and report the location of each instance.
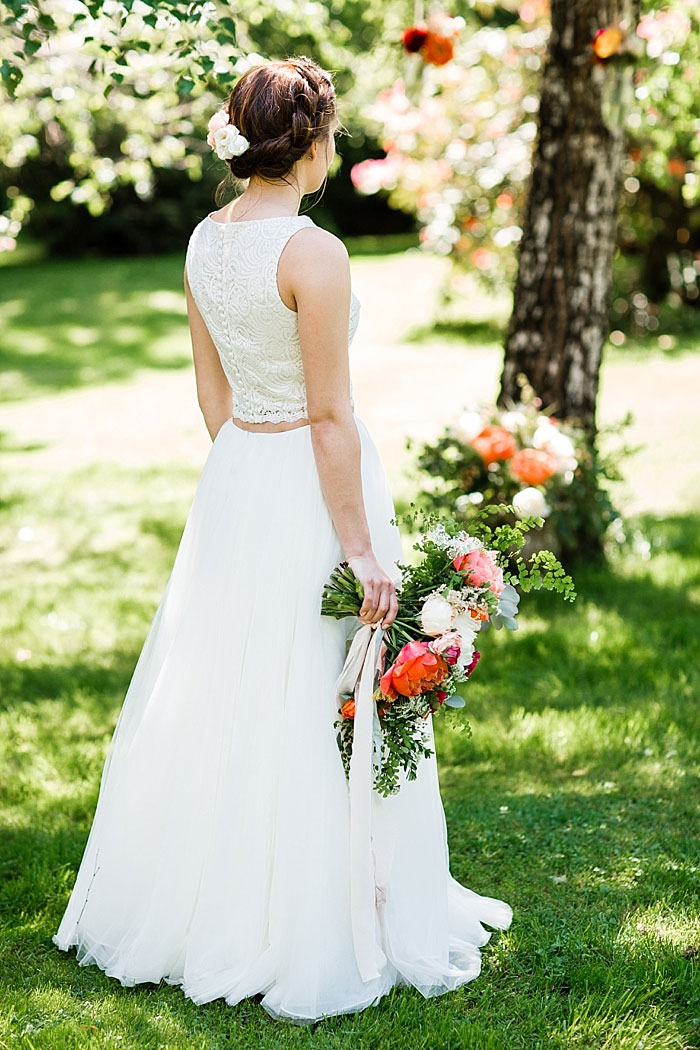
(463, 583)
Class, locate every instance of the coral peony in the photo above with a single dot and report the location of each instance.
(415, 670)
(480, 567)
(348, 709)
(533, 466)
(494, 443)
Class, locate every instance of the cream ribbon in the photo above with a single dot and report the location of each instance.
(357, 679)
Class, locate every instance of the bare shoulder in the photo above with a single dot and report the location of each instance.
(316, 252)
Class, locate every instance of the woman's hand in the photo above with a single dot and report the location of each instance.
(380, 601)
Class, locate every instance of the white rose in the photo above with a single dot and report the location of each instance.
(467, 425)
(228, 142)
(549, 437)
(436, 615)
(512, 420)
(531, 501)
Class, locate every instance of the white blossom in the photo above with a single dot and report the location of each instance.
(462, 543)
(436, 615)
(530, 501)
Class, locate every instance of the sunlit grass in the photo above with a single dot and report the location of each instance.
(575, 799)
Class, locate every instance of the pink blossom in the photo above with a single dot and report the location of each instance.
(479, 568)
(449, 643)
(218, 121)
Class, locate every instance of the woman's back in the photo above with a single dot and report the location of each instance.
(232, 270)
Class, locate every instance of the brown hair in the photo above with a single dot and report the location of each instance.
(281, 107)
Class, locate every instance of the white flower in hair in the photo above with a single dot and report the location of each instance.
(225, 138)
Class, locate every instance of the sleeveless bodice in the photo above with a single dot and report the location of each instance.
(232, 274)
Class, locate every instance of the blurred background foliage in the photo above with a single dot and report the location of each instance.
(105, 105)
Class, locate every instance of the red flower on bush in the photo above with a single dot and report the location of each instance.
(414, 37)
(434, 39)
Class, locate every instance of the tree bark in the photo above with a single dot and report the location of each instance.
(559, 319)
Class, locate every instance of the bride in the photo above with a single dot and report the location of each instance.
(219, 856)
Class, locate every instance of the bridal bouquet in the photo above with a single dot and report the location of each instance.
(461, 585)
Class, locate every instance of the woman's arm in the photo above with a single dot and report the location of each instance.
(213, 389)
(319, 275)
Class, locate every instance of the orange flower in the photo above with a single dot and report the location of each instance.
(415, 670)
(494, 443)
(607, 41)
(438, 50)
(533, 466)
(348, 709)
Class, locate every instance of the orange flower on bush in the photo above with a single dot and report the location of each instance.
(438, 50)
(494, 443)
(415, 670)
(434, 38)
(607, 41)
(348, 709)
(533, 466)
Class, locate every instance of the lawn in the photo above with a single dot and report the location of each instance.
(575, 799)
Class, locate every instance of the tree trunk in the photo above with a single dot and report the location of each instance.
(559, 320)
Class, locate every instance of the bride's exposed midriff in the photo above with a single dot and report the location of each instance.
(270, 428)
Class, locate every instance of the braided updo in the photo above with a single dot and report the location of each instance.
(281, 107)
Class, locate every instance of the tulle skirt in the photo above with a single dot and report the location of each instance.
(218, 855)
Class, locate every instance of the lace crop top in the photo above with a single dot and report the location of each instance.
(232, 274)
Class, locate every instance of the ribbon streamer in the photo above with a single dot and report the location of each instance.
(357, 678)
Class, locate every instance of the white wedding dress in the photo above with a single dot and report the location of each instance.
(218, 858)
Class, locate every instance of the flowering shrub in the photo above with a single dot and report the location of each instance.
(523, 456)
(458, 134)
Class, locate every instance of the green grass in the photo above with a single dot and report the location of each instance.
(575, 799)
(71, 324)
(65, 325)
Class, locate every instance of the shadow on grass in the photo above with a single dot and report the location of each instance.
(69, 324)
(553, 805)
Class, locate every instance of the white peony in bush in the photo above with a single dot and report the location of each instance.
(531, 501)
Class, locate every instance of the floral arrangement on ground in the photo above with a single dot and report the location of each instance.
(522, 455)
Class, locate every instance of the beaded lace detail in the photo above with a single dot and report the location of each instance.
(232, 274)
